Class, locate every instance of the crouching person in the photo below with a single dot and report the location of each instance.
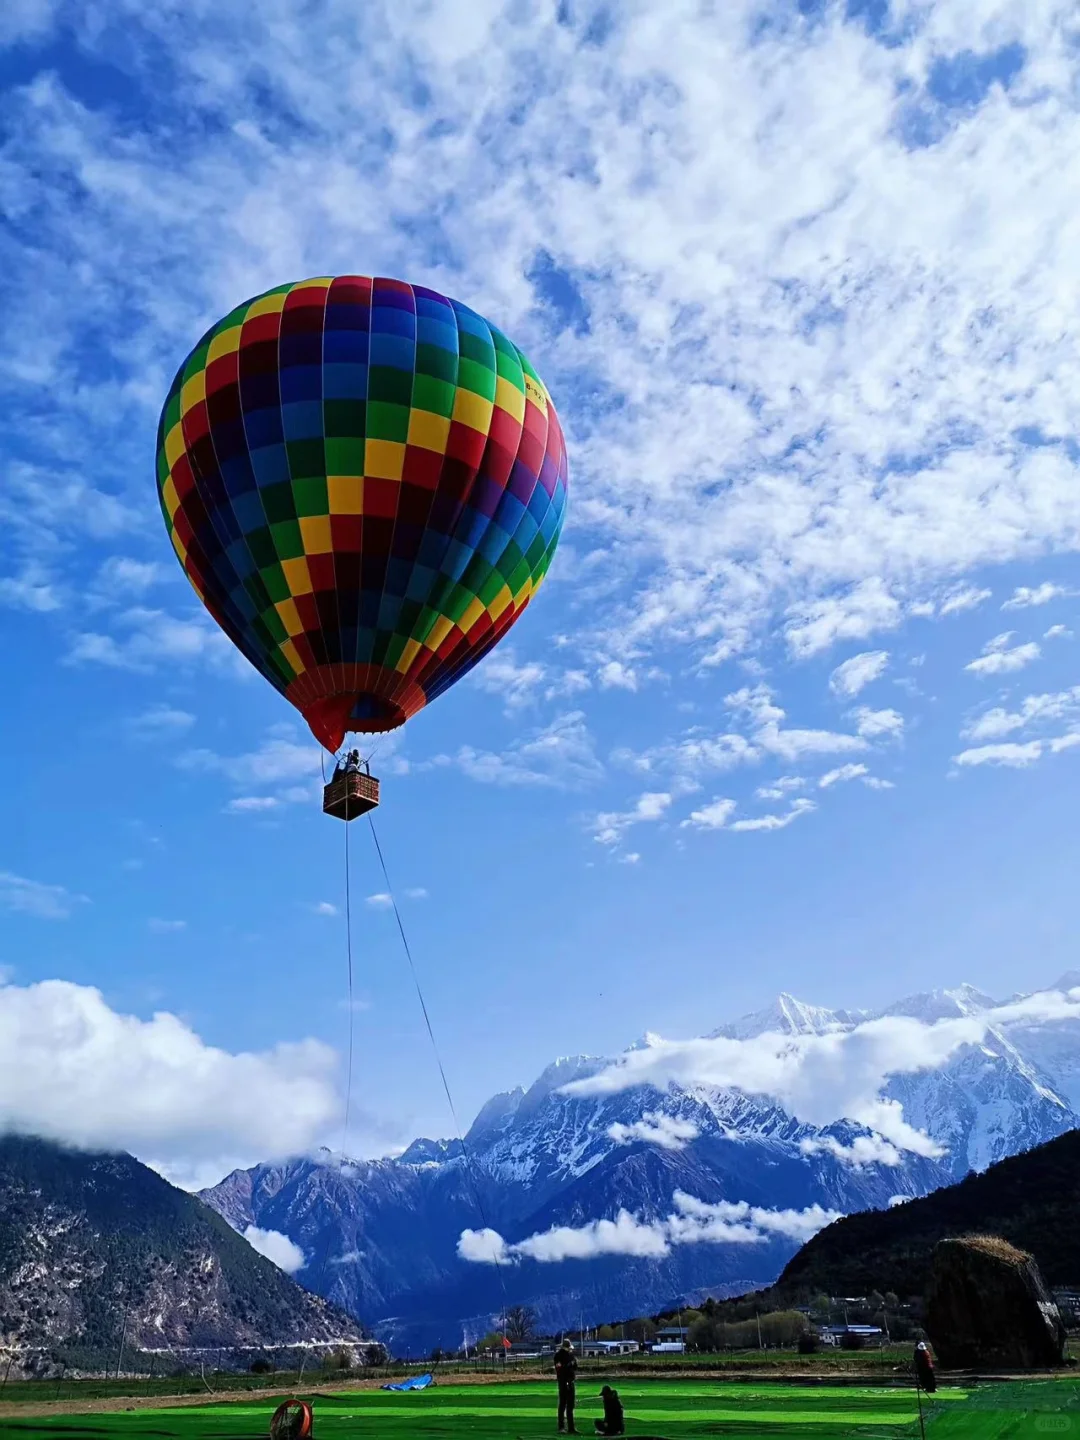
(613, 1422)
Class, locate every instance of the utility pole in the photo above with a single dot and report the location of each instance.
(123, 1337)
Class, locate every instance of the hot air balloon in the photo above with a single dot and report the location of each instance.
(365, 482)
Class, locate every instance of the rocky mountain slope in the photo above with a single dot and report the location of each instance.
(1032, 1200)
(538, 1158)
(95, 1245)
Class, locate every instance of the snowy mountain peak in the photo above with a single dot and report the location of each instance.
(788, 1015)
(934, 1005)
(496, 1114)
(559, 1073)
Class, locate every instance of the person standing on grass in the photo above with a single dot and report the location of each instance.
(566, 1375)
(924, 1368)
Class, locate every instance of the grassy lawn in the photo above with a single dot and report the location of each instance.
(674, 1410)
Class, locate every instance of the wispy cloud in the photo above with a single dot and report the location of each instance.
(713, 816)
(842, 773)
(1024, 596)
(166, 927)
(790, 448)
(560, 755)
(1001, 658)
(610, 827)
(160, 723)
(1016, 755)
(692, 1222)
(965, 597)
(864, 1152)
(822, 1079)
(276, 1247)
(667, 1132)
(858, 672)
(33, 897)
(878, 724)
(801, 806)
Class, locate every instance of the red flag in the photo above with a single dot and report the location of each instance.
(506, 1343)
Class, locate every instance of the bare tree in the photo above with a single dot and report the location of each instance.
(520, 1322)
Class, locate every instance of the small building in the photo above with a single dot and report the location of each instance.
(668, 1347)
(870, 1335)
(669, 1333)
(599, 1349)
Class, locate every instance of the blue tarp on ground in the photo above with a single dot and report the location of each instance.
(414, 1382)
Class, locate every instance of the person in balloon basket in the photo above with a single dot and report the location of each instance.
(566, 1376)
(614, 1422)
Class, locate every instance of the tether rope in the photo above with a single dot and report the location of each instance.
(469, 1167)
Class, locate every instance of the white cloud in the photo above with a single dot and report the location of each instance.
(288, 768)
(841, 774)
(276, 1247)
(801, 806)
(966, 597)
(863, 1152)
(692, 1222)
(614, 675)
(76, 1071)
(166, 927)
(1058, 632)
(1023, 597)
(32, 897)
(1034, 709)
(823, 1079)
(516, 684)
(1010, 753)
(32, 589)
(998, 658)
(160, 723)
(873, 724)
(770, 735)
(811, 440)
(416, 892)
(560, 756)
(120, 575)
(713, 816)
(381, 901)
(147, 639)
(610, 827)
(323, 907)
(866, 608)
(777, 789)
(665, 1131)
(277, 760)
(858, 672)
(252, 804)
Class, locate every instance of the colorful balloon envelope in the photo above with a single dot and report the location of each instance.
(365, 483)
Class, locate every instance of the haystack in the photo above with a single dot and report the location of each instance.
(987, 1305)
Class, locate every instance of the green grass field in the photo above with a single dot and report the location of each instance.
(674, 1410)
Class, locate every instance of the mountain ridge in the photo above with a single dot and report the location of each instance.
(537, 1160)
(95, 1246)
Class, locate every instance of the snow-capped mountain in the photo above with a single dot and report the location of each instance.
(541, 1167)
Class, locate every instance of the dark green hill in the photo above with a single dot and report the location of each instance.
(1033, 1200)
(92, 1245)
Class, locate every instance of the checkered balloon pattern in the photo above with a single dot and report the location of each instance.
(365, 483)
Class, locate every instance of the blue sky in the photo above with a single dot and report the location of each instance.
(798, 706)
